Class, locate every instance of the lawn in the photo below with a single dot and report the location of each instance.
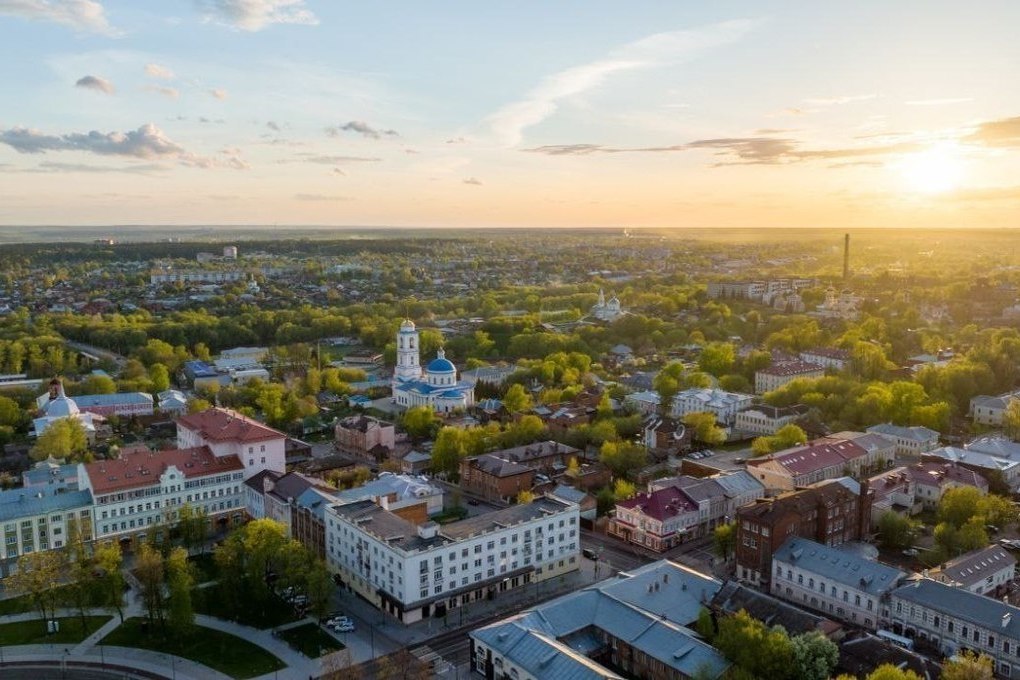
(220, 651)
(34, 632)
(311, 640)
(23, 603)
(273, 613)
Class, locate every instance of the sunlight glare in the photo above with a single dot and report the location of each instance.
(934, 170)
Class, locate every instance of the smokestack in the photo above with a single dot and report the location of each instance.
(846, 257)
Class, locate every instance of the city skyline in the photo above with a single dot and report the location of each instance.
(576, 115)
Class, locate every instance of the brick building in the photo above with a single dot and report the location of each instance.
(831, 513)
(365, 437)
(495, 478)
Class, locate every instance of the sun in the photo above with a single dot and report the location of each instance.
(935, 170)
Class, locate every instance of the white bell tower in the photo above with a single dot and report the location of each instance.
(408, 366)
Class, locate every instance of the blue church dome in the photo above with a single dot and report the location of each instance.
(440, 365)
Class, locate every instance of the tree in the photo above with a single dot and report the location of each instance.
(179, 581)
(622, 490)
(159, 374)
(516, 399)
(717, 358)
(110, 580)
(78, 569)
(815, 656)
(623, 457)
(704, 428)
(420, 421)
(724, 539)
(64, 437)
(197, 405)
(149, 570)
(958, 505)
(785, 437)
(968, 665)
(318, 586)
(10, 413)
(524, 497)
(896, 531)
(37, 577)
(761, 651)
(1011, 419)
(450, 447)
(667, 383)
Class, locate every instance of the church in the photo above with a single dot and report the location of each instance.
(607, 311)
(438, 387)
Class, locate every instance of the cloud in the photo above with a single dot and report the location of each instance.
(171, 92)
(834, 101)
(1002, 132)
(86, 16)
(457, 140)
(339, 172)
(95, 83)
(320, 197)
(159, 72)
(510, 122)
(218, 93)
(333, 160)
(254, 15)
(147, 142)
(362, 128)
(939, 102)
(740, 150)
(473, 180)
(273, 126)
(51, 166)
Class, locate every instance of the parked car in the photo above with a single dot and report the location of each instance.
(590, 554)
(344, 628)
(911, 552)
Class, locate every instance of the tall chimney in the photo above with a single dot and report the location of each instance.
(846, 257)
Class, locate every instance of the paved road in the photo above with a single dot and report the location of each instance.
(118, 359)
(40, 671)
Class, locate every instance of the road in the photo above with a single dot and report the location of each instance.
(42, 671)
(118, 359)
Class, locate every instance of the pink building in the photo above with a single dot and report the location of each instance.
(229, 433)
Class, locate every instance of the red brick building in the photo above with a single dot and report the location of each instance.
(831, 513)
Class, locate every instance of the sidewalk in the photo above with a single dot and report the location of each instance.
(299, 667)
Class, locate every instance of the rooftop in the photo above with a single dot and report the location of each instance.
(963, 604)
(226, 425)
(976, 566)
(133, 470)
(839, 566)
(16, 503)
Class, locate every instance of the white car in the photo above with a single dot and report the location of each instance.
(344, 628)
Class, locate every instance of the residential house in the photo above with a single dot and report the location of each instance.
(836, 582)
(365, 437)
(932, 480)
(665, 436)
(986, 571)
(724, 405)
(646, 402)
(416, 463)
(764, 420)
(494, 478)
(911, 442)
(827, 357)
(987, 410)
(779, 373)
(172, 402)
(813, 462)
(894, 490)
(735, 597)
(986, 465)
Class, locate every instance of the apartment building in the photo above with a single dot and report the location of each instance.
(782, 372)
(40, 518)
(229, 433)
(911, 442)
(724, 405)
(764, 420)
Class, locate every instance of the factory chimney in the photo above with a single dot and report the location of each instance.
(846, 257)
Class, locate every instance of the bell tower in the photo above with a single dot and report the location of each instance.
(408, 363)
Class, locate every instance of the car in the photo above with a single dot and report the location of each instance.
(590, 554)
(738, 461)
(343, 628)
(911, 552)
(338, 620)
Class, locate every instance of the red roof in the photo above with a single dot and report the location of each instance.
(227, 425)
(805, 459)
(140, 469)
(661, 504)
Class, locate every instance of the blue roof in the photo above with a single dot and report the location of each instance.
(440, 366)
(17, 503)
(87, 400)
(839, 566)
(199, 369)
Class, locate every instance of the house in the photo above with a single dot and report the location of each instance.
(986, 571)
(724, 405)
(986, 465)
(172, 402)
(634, 625)
(665, 436)
(416, 463)
(799, 466)
(932, 480)
(782, 372)
(735, 597)
(988, 410)
(201, 375)
(646, 402)
(951, 619)
(494, 478)
(229, 433)
(894, 490)
(831, 513)
(764, 420)
(827, 357)
(585, 502)
(911, 442)
(414, 571)
(365, 437)
(839, 583)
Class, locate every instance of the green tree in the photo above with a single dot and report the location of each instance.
(896, 531)
(159, 375)
(623, 457)
(667, 383)
(110, 579)
(623, 490)
(888, 671)
(179, 582)
(197, 405)
(724, 539)
(420, 421)
(97, 383)
(11, 414)
(63, 438)
(717, 358)
(1011, 419)
(149, 570)
(516, 399)
(704, 428)
(525, 497)
(37, 577)
(761, 651)
(815, 656)
(968, 665)
(958, 505)
(450, 447)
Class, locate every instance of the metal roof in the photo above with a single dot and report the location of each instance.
(839, 566)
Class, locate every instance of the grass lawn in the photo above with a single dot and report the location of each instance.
(23, 603)
(220, 651)
(311, 640)
(34, 632)
(274, 613)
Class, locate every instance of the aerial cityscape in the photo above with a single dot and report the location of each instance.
(565, 341)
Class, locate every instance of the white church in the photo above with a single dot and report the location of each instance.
(438, 387)
(607, 311)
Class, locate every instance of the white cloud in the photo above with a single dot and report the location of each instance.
(159, 72)
(170, 92)
(82, 15)
(95, 83)
(843, 99)
(939, 102)
(254, 15)
(473, 180)
(218, 93)
(509, 123)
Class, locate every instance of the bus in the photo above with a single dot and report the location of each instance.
(898, 640)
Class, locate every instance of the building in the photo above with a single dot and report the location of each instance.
(932, 480)
(607, 310)
(830, 513)
(894, 490)
(665, 436)
(438, 388)
(764, 420)
(413, 571)
(50, 472)
(724, 405)
(986, 571)
(494, 478)
(634, 625)
(833, 581)
(142, 489)
(169, 275)
(122, 404)
(419, 497)
(950, 620)
(735, 597)
(827, 357)
(549, 455)
(813, 462)
(308, 519)
(172, 402)
(365, 437)
(41, 518)
(251, 354)
(58, 405)
(416, 463)
(646, 402)
(986, 465)
(229, 433)
(911, 442)
(988, 410)
(782, 372)
(200, 374)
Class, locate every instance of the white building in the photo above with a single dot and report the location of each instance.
(57, 406)
(833, 581)
(607, 310)
(439, 388)
(762, 419)
(911, 442)
(229, 433)
(782, 372)
(827, 357)
(415, 571)
(988, 410)
(40, 518)
(725, 405)
(987, 571)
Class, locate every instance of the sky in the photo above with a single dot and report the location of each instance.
(528, 114)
